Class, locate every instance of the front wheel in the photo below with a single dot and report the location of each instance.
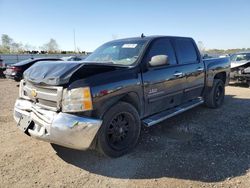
(120, 130)
(215, 97)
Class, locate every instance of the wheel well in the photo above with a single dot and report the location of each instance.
(133, 99)
(222, 76)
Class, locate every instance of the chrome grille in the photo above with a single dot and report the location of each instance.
(48, 97)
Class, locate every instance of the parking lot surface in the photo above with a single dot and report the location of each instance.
(199, 148)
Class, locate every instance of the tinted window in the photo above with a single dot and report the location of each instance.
(186, 52)
(241, 57)
(162, 47)
(24, 62)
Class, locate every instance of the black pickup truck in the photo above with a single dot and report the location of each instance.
(102, 102)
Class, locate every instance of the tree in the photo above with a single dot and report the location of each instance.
(16, 47)
(9, 45)
(28, 47)
(6, 43)
(51, 46)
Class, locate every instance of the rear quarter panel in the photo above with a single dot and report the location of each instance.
(215, 66)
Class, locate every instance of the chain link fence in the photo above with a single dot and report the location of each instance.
(14, 58)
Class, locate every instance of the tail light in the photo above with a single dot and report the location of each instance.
(15, 69)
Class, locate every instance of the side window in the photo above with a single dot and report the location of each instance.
(162, 47)
(186, 51)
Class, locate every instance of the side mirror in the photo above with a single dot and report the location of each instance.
(159, 60)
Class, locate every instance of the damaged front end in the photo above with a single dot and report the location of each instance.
(38, 114)
(240, 72)
(48, 109)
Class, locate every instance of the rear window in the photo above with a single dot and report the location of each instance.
(186, 51)
(47, 60)
(24, 62)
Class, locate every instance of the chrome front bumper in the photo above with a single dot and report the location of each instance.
(64, 129)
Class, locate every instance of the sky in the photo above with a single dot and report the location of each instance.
(221, 24)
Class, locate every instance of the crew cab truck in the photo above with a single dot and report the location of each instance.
(103, 101)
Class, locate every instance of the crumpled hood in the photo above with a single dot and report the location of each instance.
(62, 72)
(51, 72)
(235, 64)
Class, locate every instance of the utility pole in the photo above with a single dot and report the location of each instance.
(75, 40)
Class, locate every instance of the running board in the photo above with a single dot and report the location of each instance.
(157, 118)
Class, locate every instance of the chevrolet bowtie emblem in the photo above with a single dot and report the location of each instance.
(33, 93)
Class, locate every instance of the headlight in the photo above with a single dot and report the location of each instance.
(21, 84)
(22, 92)
(77, 100)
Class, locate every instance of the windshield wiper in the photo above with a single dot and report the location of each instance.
(99, 62)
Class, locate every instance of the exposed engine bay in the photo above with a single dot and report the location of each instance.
(240, 68)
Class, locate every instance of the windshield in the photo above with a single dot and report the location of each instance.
(118, 52)
(241, 57)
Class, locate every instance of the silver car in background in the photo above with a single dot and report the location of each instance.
(240, 68)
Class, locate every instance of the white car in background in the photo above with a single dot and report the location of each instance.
(240, 67)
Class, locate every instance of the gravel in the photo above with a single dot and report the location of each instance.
(199, 148)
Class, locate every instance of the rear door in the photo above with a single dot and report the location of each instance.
(163, 85)
(192, 67)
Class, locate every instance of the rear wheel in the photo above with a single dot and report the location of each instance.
(120, 130)
(215, 98)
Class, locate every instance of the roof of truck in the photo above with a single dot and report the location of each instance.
(147, 38)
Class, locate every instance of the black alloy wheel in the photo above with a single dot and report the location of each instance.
(119, 131)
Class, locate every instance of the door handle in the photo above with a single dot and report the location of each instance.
(178, 74)
(200, 69)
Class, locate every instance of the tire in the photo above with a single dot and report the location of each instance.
(248, 83)
(18, 78)
(120, 130)
(215, 98)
